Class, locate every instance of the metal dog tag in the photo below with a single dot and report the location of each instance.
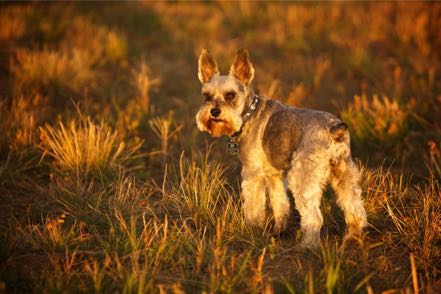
(233, 148)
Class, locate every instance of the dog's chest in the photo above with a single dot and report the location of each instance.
(251, 152)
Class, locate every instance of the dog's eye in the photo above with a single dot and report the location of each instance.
(230, 96)
(207, 97)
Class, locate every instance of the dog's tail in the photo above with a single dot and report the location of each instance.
(339, 131)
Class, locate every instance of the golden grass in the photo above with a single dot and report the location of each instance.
(12, 23)
(196, 233)
(143, 84)
(434, 160)
(20, 118)
(376, 120)
(84, 147)
(165, 129)
(102, 45)
(51, 70)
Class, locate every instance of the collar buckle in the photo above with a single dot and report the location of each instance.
(233, 146)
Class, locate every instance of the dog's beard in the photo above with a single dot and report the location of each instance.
(226, 124)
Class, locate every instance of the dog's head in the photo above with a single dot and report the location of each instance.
(225, 97)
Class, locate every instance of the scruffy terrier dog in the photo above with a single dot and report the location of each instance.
(280, 147)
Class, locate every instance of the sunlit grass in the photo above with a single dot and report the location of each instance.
(165, 129)
(20, 118)
(83, 146)
(12, 23)
(373, 121)
(103, 45)
(144, 83)
(434, 160)
(50, 70)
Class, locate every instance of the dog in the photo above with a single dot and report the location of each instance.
(280, 147)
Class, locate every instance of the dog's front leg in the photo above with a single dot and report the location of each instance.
(279, 202)
(254, 197)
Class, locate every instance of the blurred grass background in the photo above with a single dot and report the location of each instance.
(106, 184)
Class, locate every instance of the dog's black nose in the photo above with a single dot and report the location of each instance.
(215, 112)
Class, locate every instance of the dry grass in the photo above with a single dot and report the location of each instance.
(12, 23)
(50, 70)
(20, 118)
(103, 45)
(125, 202)
(143, 84)
(377, 120)
(165, 129)
(434, 160)
(84, 147)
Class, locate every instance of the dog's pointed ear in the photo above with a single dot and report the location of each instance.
(242, 68)
(207, 67)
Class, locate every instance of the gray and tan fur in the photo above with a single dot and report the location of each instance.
(281, 147)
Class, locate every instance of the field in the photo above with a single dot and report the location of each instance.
(107, 186)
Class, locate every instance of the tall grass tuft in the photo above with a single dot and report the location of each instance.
(377, 121)
(198, 189)
(144, 83)
(52, 71)
(165, 129)
(20, 118)
(84, 147)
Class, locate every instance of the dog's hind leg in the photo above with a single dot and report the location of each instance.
(344, 181)
(306, 179)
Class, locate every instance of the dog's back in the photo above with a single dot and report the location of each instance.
(290, 128)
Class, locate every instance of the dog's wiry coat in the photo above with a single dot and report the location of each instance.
(281, 147)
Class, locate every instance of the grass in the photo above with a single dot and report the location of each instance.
(378, 121)
(85, 147)
(107, 186)
(434, 160)
(52, 70)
